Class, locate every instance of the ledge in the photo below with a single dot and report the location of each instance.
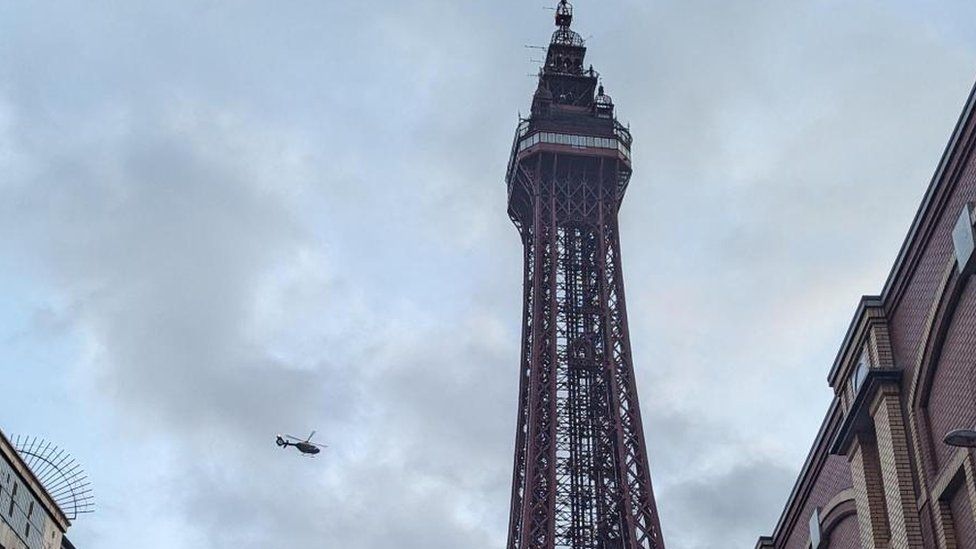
(858, 418)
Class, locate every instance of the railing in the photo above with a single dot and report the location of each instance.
(620, 143)
(622, 133)
(520, 131)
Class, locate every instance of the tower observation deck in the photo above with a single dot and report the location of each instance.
(581, 478)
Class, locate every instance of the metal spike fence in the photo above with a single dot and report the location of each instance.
(60, 474)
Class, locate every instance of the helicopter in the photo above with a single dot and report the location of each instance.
(306, 447)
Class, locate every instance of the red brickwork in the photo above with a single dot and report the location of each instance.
(908, 321)
(845, 535)
(962, 518)
(951, 401)
(835, 477)
(928, 528)
(897, 471)
(912, 491)
(869, 493)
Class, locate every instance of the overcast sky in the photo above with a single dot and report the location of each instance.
(221, 220)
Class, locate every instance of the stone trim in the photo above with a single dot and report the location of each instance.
(858, 418)
(950, 474)
(938, 322)
(837, 509)
(837, 501)
(945, 531)
(923, 464)
(869, 494)
(896, 469)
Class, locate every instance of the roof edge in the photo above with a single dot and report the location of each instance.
(866, 304)
(909, 253)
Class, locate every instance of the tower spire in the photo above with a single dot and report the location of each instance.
(564, 14)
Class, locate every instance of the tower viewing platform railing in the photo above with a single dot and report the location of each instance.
(526, 138)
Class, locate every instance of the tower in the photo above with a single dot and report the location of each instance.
(581, 477)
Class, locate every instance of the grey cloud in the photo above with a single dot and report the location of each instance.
(259, 220)
(168, 274)
(723, 509)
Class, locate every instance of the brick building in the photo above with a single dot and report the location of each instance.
(879, 473)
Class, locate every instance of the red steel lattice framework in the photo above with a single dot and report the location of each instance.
(581, 477)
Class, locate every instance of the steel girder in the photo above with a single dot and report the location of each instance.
(581, 478)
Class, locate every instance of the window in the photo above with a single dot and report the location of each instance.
(860, 372)
(27, 530)
(10, 511)
(30, 509)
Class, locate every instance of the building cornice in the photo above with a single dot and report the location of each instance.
(859, 416)
(869, 310)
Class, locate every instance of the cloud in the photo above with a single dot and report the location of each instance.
(233, 221)
(727, 505)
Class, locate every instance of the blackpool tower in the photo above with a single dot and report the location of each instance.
(581, 477)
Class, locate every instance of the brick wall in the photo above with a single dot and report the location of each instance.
(845, 535)
(834, 478)
(962, 518)
(908, 319)
(950, 404)
(906, 307)
(951, 401)
(869, 493)
(928, 528)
